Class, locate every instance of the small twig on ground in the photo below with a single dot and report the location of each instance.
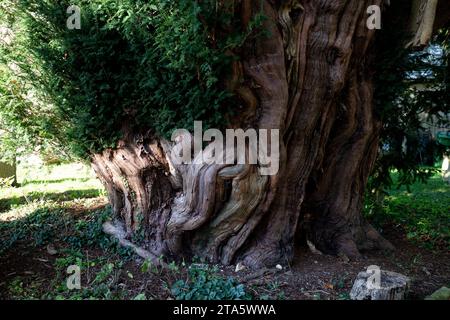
(316, 291)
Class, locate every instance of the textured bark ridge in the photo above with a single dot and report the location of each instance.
(311, 78)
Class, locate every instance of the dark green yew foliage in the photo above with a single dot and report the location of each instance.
(412, 89)
(134, 64)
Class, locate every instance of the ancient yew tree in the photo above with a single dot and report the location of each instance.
(134, 71)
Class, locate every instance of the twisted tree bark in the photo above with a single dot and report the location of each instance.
(312, 80)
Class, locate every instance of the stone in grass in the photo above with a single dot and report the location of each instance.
(441, 294)
(377, 284)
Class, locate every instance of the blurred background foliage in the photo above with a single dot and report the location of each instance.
(412, 97)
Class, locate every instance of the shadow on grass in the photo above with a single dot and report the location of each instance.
(7, 203)
(47, 224)
(27, 182)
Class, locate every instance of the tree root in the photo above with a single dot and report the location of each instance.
(119, 233)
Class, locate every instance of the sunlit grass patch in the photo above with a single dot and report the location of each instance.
(423, 212)
(47, 200)
(67, 185)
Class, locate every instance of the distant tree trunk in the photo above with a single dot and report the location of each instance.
(312, 79)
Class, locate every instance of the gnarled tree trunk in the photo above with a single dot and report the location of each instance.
(312, 80)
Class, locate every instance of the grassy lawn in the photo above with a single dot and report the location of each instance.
(54, 220)
(423, 212)
(49, 186)
(50, 218)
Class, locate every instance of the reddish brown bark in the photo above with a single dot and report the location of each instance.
(312, 80)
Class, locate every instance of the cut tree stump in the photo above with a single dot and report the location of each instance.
(390, 286)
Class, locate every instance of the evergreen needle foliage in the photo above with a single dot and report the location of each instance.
(134, 64)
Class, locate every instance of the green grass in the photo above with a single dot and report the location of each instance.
(65, 206)
(66, 185)
(423, 213)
